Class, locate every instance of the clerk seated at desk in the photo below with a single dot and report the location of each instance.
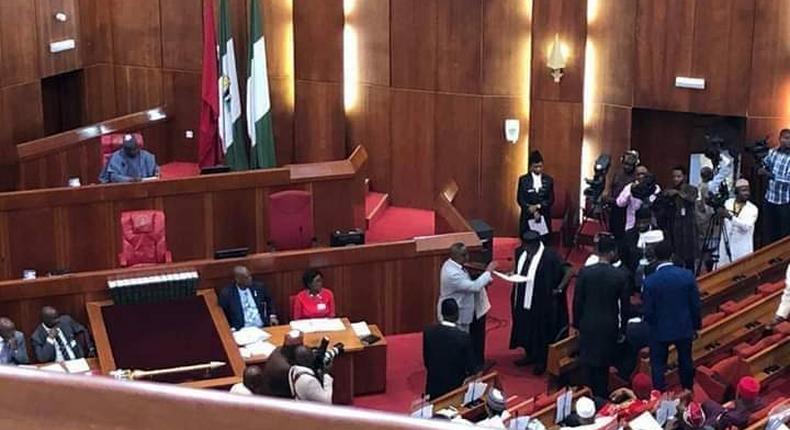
(56, 338)
(247, 303)
(314, 301)
(129, 164)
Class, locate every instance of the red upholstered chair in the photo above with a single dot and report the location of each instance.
(143, 239)
(291, 220)
(768, 289)
(719, 381)
(731, 307)
(292, 305)
(112, 142)
(746, 350)
(560, 216)
(713, 318)
(783, 327)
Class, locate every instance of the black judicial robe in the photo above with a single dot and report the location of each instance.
(547, 320)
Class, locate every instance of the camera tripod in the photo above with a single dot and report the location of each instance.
(716, 224)
(595, 212)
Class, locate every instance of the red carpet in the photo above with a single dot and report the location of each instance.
(397, 223)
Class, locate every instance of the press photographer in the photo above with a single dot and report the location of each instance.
(776, 165)
(675, 212)
(627, 174)
(309, 377)
(739, 216)
(641, 192)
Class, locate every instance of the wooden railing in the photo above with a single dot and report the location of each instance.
(50, 161)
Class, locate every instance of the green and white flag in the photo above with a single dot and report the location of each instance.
(231, 128)
(259, 106)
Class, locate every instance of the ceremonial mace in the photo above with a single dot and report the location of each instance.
(132, 375)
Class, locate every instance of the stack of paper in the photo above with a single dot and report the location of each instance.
(318, 325)
(261, 348)
(645, 422)
(54, 367)
(426, 411)
(249, 335)
(475, 391)
(361, 329)
(79, 365)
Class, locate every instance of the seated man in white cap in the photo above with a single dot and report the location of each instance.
(497, 413)
(130, 163)
(739, 216)
(584, 417)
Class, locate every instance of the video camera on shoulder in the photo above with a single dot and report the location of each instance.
(759, 150)
(325, 356)
(645, 188)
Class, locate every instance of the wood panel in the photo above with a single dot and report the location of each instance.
(608, 132)
(22, 114)
(282, 97)
(758, 128)
(561, 146)
(187, 231)
(18, 42)
(370, 126)
(318, 40)
(371, 21)
(99, 97)
(770, 71)
(458, 149)
(182, 92)
(328, 217)
(182, 34)
(568, 19)
(85, 225)
(506, 47)
(137, 89)
(609, 76)
(95, 31)
(31, 233)
(722, 50)
(412, 127)
(136, 32)
(413, 47)
(278, 31)
(234, 219)
(51, 30)
(458, 47)
(319, 122)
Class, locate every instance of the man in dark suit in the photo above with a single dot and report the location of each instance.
(12, 344)
(535, 195)
(247, 303)
(446, 352)
(60, 338)
(600, 302)
(671, 307)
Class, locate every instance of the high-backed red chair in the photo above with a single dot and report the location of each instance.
(559, 215)
(719, 380)
(143, 239)
(291, 220)
(112, 142)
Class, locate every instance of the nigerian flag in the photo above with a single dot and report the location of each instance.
(259, 112)
(231, 128)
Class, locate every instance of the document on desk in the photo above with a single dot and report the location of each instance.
(425, 412)
(257, 349)
(514, 278)
(361, 329)
(645, 422)
(54, 367)
(318, 325)
(475, 391)
(249, 335)
(79, 365)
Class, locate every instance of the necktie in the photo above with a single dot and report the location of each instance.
(64, 350)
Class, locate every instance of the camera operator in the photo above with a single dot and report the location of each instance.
(675, 213)
(777, 197)
(707, 241)
(739, 215)
(307, 381)
(642, 191)
(625, 176)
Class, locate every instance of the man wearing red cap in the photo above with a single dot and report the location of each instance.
(746, 402)
(693, 417)
(627, 404)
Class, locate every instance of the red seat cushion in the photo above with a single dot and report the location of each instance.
(713, 318)
(732, 307)
(745, 350)
(143, 238)
(291, 219)
(783, 327)
(768, 289)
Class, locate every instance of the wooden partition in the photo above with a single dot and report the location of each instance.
(77, 229)
(49, 162)
(35, 400)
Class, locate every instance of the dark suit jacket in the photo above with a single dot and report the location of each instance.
(526, 196)
(18, 356)
(671, 304)
(72, 330)
(230, 301)
(447, 354)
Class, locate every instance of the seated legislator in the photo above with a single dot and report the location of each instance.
(314, 301)
(129, 164)
(446, 352)
(56, 339)
(247, 303)
(12, 344)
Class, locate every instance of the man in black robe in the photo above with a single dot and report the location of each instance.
(600, 302)
(535, 196)
(539, 305)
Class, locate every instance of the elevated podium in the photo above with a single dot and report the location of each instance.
(181, 332)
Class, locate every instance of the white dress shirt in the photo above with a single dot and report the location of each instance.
(69, 347)
(306, 386)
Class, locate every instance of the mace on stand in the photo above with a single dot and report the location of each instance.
(132, 375)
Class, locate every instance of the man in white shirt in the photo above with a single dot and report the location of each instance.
(57, 338)
(303, 380)
(740, 216)
(471, 296)
(784, 306)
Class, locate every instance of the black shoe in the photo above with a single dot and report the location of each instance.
(523, 361)
(539, 369)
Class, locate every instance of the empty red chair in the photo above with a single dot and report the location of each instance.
(732, 307)
(559, 215)
(783, 327)
(112, 142)
(746, 350)
(719, 380)
(768, 289)
(143, 239)
(291, 220)
(713, 318)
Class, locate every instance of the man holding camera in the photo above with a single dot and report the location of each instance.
(777, 197)
(306, 383)
(621, 179)
(642, 192)
(739, 215)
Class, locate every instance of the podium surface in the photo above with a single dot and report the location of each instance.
(176, 333)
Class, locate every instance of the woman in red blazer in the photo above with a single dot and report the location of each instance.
(314, 301)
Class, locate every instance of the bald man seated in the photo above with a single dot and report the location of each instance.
(59, 338)
(252, 382)
(131, 163)
(247, 303)
(13, 350)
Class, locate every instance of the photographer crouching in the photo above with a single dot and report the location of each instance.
(776, 165)
(309, 377)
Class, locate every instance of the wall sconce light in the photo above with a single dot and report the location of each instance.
(557, 60)
(61, 17)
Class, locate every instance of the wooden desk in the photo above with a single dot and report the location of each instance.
(455, 398)
(360, 370)
(234, 363)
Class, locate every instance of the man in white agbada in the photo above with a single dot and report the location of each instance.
(739, 216)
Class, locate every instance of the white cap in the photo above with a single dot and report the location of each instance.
(585, 407)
